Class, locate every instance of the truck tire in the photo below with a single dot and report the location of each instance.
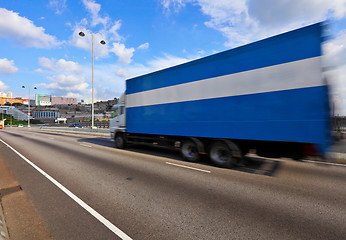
(120, 141)
(225, 154)
(189, 151)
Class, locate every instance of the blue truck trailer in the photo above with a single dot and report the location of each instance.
(270, 96)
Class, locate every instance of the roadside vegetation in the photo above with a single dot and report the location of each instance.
(17, 122)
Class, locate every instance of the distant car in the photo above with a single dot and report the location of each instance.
(75, 125)
(20, 125)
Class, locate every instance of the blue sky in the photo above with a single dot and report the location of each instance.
(40, 46)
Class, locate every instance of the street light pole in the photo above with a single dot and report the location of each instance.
(29, 105)
(29, 109)
(92, 82)
(82, 34)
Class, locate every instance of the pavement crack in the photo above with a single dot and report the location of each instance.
(9, 190)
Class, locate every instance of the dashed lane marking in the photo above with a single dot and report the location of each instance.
(192, 168)
(326, 163)
(84, 145)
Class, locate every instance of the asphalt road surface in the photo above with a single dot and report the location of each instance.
(98, 192)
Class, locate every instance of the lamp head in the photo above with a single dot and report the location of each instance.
(103, 42)
(81, 34)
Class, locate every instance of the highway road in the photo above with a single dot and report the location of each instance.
(83, 188)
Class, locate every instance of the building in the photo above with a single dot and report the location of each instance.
(7, 95)
(7, 100)
(43, 100)
(46, 113)
(15, 113)
(48, 100)
(63, 100)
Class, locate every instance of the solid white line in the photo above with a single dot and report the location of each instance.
(95, 214)
(192, 168)
(326, 163)
(84, 145)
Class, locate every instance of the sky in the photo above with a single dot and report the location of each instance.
(40, 45)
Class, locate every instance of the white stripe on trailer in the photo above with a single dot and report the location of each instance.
(293, 75)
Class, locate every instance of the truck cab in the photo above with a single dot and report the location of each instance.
(117, 122)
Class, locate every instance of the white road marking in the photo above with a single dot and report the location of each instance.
(326, 163)
(192, 168)
(84, 145)
(337, 155)
(89, 209)
(51, 138)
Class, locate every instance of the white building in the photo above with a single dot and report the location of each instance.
(43, 100)
(8, 94)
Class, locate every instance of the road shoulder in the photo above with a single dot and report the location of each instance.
(20, 219)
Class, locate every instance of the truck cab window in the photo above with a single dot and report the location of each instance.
(115, 112)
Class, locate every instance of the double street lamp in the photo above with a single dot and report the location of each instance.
(29, 105)
(102, 42)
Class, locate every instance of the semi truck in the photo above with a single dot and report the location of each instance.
(269, 97)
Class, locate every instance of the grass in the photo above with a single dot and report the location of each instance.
(16, 122)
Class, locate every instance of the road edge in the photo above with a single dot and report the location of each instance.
(19, 219)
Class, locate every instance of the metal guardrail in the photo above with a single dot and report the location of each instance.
(84, 124)
(101, 131)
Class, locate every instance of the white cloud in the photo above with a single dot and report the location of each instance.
(335, 57)
(124, 54)
(335, 50)
(66, 85)
(144, 46)
(159, 63)
(122, 73)
(94, 9)
(39, 70)
(66, 78)
(58, 5)
(60, 65)
(74, 95)
(283, 16)
(47, 63)
(7, 66)
(175, 4)
(103, 93)
(109, 32)
(301, 11)
(68, 66)
(3, 87)
(244, 21)
(114, 75)
(85, 42)
(113, 31)
(78, 41)
(23, 31)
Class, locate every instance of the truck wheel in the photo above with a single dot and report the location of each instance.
(120, 141)
(222, 154)
(189, 151)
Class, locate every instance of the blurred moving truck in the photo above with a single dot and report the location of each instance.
(269, 96)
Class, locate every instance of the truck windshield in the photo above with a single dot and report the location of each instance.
(115, 112)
